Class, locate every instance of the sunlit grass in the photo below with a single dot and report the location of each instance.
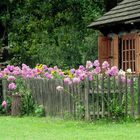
(31, 128)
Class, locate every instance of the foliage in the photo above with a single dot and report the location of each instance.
(39, 111)
(53, 32)
(7, 110)
(28, 104)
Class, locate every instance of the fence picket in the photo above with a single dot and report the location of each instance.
(132, 96)
(103, 103)
(139, 95)
(126, 98)
(96, 96)
(108, 96)
(87, 116)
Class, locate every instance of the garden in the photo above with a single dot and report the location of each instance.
(26, 88)
(48, 89)
(78, 103)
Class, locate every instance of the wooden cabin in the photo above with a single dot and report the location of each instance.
(119, 43)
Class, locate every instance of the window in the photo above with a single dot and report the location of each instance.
(128, 53)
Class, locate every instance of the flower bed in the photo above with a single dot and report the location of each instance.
(15, 75)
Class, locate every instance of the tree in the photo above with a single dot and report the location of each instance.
(52, 32)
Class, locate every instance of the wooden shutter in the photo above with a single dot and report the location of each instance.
(114, 51)
(104, 44)
(131, 52)
(137, 43)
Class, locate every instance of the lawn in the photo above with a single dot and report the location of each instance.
(31, 128)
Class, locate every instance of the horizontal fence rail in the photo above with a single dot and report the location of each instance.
(103, 97)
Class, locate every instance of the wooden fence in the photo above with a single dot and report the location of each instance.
(102, 97)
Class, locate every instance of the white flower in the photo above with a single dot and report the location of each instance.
(129, 70)
(89, 65)
(121, 72)
(59, 88)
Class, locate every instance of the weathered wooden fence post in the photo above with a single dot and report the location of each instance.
(108, 96)
(102, 89)
(132, 97)
(4, 88)
(139, 95)
(16, 105)
(126, 98)
(87, 115)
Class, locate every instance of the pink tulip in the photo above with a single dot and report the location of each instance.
(4, 104)
(12, 86)
(76, 80)
(105, 65)
(96, 63)
(11, 78)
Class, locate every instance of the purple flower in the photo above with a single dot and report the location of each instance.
(97, 70)
(129, 82)
(82, 76)
(112, 72)
(76, 80)
(4, 104)
(50, 69)
(72, 71)
(78, 72)
(55, 68)
(6, 71)
(105, 65)
(81, 67)
(1, 75)
(108, 71)
(10, 68)
(45, 67)
(17, 71)
(96, 63)
(61, 73)
(90, 77)
(67, 81)
(11, 78)
(12, 86)
(123, 79)
(48, 76)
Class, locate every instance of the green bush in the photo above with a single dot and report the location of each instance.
(39, 111)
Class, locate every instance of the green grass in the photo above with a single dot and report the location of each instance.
(31, 128)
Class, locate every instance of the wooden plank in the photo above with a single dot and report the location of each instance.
(97, 103)
(108, 95)
(4, 88)
(139, 95)
(61, 102)
(115, 51)
(46, 102)
(87, 115)
(74, 100)
(126, 98)
(132, 97)
(104, 46)
(93, 97)
(103, 103)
